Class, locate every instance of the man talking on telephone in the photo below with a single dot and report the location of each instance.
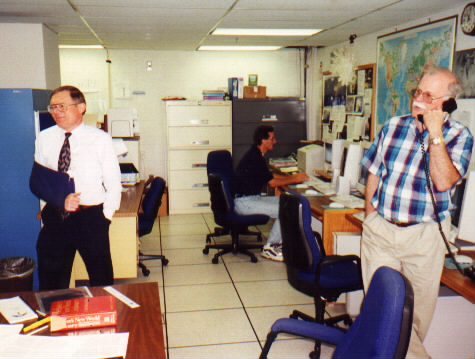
(401, 226)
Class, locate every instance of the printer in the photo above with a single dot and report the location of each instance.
(123, 122)
(129, 176)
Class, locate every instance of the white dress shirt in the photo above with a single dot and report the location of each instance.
(94, 165)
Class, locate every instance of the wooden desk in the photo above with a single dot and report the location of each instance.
(451, 278)
(333, 219)
(123, 236)
(144, 324)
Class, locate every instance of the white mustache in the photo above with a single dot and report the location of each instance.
(421, 105)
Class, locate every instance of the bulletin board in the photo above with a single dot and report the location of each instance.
(348, 110)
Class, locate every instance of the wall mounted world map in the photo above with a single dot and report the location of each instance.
(401, 59)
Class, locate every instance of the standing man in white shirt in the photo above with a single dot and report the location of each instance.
(83, 224)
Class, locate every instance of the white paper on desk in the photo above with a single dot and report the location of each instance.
(81, 346)
(10, 329)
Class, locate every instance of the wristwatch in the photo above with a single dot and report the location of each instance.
(436, 140)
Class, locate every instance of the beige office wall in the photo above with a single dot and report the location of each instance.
(28, 56)
(174, 73)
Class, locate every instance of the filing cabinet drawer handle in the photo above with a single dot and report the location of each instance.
(198, 122)
(200, 185)
(197, 142)
(201, 204)
(198, 165)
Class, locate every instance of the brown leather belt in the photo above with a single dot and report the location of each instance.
(401, 224)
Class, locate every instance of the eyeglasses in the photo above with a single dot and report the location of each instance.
(60, 107)
(426, 96)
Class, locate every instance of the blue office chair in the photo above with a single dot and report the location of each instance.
(382, 329)
(309, 269)
(220, 176)
(151, 201)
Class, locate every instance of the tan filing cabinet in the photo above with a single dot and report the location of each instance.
(194, 129)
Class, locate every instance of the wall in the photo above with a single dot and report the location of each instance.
(365, 51)
(30, 54)
(174, 73)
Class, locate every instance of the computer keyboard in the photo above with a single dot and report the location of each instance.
(349, 201)
(326, 188)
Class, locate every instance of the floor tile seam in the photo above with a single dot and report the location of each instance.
(165, 312)
(207, 310)
(203, 310)
(183, 284)
(262, 280)
(243, 306)
(277, 305)
(213, 344)
(196, 284)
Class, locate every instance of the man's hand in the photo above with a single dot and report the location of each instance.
(433, 121)
(71, 203)
(300, 177)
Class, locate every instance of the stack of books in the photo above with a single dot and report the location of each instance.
(214, 95)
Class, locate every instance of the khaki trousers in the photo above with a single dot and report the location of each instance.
(418, 252)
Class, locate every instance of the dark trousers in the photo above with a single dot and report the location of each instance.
(86, 231)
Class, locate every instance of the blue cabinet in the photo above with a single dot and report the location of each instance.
(19, 225)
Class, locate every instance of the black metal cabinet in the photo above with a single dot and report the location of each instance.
(286, 114)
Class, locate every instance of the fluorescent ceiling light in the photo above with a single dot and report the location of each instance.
(80, 46)
(238, 48)
(265, 32)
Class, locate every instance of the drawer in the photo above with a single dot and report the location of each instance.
(188, 179)
(199, 137)
(188, 159)
(199, 115)
(195, 201)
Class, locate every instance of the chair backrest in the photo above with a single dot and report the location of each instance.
(301, 248)
(383, 328)
(150, 205)
(222, 203)
(220, 162)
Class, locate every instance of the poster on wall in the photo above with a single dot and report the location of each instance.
(334, 101)
(402, 57)
(464, 68)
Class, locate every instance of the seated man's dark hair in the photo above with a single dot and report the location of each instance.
(262, 133)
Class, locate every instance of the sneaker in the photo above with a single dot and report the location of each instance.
(273, 252)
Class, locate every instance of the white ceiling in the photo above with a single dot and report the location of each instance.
(186, 24)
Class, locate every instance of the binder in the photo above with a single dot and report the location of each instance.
(49, 185)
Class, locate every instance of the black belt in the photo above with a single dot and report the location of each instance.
(402, 224)
(83, 207)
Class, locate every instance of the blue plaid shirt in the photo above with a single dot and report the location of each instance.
(396, 158)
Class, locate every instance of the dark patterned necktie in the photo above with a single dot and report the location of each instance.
(64, 155)
(63, 164)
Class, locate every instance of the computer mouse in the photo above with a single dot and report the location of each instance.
(311, 192)
(336, 205)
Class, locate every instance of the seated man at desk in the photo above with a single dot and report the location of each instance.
(252, 175)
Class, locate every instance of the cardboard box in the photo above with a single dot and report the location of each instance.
(254, 92)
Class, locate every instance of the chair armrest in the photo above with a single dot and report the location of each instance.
(309, 329)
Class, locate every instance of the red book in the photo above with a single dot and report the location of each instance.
(80, 313)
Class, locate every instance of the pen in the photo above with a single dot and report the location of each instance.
(36, 324)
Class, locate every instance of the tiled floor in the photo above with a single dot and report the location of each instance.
(222, 310)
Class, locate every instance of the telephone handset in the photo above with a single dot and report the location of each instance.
(448, 106)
